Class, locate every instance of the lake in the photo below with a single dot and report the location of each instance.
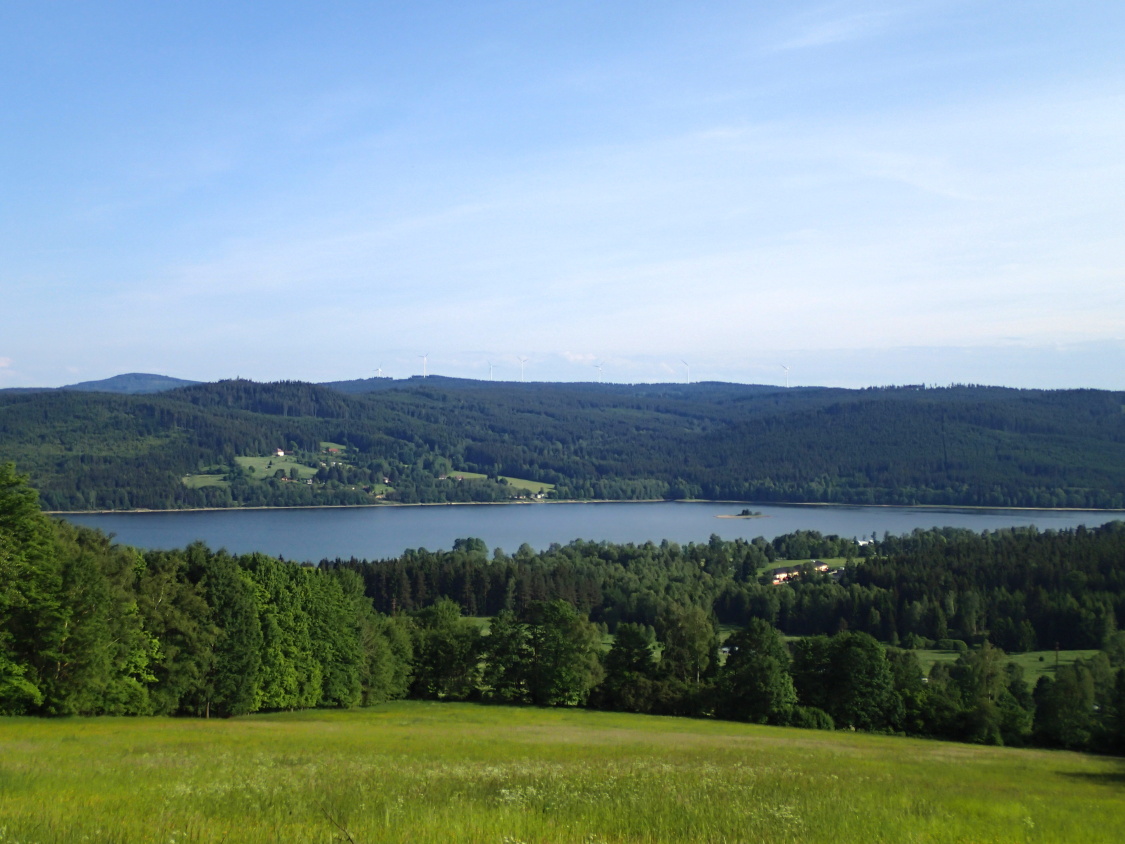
(380, 532)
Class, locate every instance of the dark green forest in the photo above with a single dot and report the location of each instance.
(960, 445)
(89, 627)
(1018, 589)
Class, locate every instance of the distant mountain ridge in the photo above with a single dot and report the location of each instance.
(132, 384)
(142, 383)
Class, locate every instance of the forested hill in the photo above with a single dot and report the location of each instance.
(132, 383)
(439, 439)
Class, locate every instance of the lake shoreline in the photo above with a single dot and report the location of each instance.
(312, 534)
(384, 505)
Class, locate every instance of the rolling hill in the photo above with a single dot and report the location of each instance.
(405, 440)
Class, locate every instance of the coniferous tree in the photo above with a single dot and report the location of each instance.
(1064, 708)
(755, 684)
(630, 671)
(446, 652)
(849, 677)
(507, 653)
(690, 646)
(563, 650)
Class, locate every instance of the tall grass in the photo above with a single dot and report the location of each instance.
(438, 772)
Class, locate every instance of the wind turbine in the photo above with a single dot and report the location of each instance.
(379, 371)
(688, 365)
(786, 368)
(522, 362)
(490, 370)
(598, 366)
(424, 357)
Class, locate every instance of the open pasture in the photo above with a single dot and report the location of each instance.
(200, 481)
(533, 487)
(1035, 664)
(459, 772)
(831, 562)
(264, 467)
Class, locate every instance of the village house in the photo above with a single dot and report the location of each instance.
(783, 573)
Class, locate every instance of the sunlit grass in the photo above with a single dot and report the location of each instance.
(1035, 664)
(200, 481)
(265, 467)
(534, 487)
(439, 772)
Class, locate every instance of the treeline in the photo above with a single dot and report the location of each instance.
(957, 445)
(1015, 589)
(548, 654)
(88, 627)
(341, 485)
(850, 680)
(1018, 589)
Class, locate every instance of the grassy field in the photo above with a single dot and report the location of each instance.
(484, 623)
(534, 487)
(458, 772)
(833, 562)
(198, 481)
(264, 467)
(1035, 664)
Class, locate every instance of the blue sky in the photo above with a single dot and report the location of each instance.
(867, 192)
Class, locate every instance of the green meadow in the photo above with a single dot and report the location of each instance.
(200, 481)
(1035, 664)
(428, 772)
(533, 487)
(264, 467)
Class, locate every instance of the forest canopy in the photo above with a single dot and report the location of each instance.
(439, 439)
(89, 627)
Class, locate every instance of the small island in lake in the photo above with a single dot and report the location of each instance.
(745, 514)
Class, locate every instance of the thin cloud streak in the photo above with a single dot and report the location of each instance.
(567, 243)
(826, 27)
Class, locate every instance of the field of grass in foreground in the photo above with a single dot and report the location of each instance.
(438, 772)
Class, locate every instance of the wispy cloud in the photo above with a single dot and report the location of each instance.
(830, 25)
(939, 225)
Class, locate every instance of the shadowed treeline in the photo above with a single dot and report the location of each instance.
(88, 627)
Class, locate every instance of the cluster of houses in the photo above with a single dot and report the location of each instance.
(784, 573)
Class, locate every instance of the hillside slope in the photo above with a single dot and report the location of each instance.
(406, 440)
(434, 772)
(132, 383)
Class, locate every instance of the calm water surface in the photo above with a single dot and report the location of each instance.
(380, 532)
